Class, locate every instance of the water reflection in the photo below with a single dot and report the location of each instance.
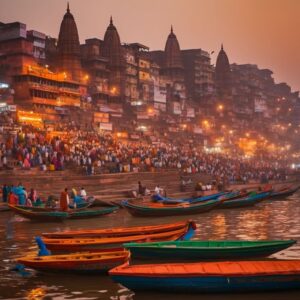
(268, 220)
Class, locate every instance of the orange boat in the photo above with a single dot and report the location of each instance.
(214, 277)
(76, 262)
(115, 243)
(119, 232)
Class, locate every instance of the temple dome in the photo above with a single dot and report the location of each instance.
(68, 39)
(222, 64)
(172, 52)
(112, 46)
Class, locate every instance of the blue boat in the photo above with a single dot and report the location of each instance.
(166, 200)
(210, 277)
(284, 193)
(245, 201)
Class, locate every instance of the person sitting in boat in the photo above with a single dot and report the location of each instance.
(51, 202)
(64, 200)
(73, 193)
(159, 191)
(83, 193)
(5, 192)
(32, 195)
(22, 196)
(141, 189)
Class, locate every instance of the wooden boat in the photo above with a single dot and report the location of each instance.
(86, 262)
(213, 277)
(165, 200)
(284, 193)
(40, 216)
(91, 213)
(159, 209)
(118, 232)
(245, 201)
(44, 208)
(197, 250)
(60, 215)
(115, 243)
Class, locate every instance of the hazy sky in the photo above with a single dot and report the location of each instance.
(262, 32)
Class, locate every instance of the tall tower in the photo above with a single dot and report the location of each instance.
(173, 62)
(173, 69)
(113, 51)
(69, 48)
(223, 75)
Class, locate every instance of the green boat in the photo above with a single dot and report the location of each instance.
(195, 250)
(90, 213)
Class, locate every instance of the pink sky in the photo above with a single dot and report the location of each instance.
(262, 32)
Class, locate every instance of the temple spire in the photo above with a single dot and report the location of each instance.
(111, 20)
(222, 47)
(68, 7)
(171, 28)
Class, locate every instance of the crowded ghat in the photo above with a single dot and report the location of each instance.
(209, 182)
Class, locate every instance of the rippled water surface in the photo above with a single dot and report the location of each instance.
(279, 219)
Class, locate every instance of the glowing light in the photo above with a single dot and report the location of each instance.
(220, 107)
(113, 90)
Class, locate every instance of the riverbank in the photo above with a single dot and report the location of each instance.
(111, 187)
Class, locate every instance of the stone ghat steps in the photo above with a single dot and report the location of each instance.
(107, 187)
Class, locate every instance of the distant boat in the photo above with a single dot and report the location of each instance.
(210, 277)
(160, 209)
(165, 200)
(199, 250)
(245, 201)
(283, 193)
(60, 215)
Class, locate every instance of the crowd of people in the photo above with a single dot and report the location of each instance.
(98, 153)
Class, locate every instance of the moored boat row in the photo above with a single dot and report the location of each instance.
(179, 264)
(102, 253)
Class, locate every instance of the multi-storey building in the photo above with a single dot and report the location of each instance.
(198, 73)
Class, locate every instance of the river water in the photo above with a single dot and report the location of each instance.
(268, 220)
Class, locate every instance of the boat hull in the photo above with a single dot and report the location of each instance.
(60, 215)
(79, 263)
(115, 243)
(283, 194)
(118, 232)
(210, 284)
(176, 251)
(50, 216)
(244, 202)
(151, 211)
(91, 213)
(220, 277)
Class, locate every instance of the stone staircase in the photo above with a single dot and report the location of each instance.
(107, 187)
